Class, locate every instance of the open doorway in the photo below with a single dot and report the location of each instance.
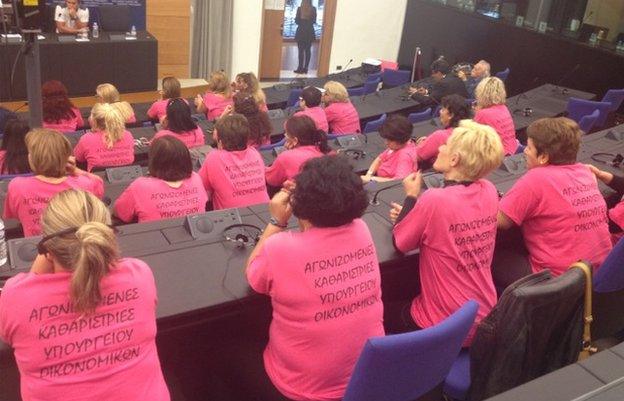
(279, 53)
(292, 49)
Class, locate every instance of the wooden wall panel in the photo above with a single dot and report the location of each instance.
(170, 22)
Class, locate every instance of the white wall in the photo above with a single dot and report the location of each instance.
(247, 21)
(363, 28)
(367, 28)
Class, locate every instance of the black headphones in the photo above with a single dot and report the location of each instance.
(242, 234)
(42, 249)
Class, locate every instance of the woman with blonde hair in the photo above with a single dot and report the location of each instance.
(104, 306)
(50, 159)
(217, 97)
(171, 89)
(107, 93)
(491, 110)
(108, 144)
(341, 115)
(442, 223)
(247, 82)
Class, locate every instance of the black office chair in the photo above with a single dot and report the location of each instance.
(49, 25)
(114, 18)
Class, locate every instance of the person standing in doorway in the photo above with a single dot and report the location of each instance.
(305, 20)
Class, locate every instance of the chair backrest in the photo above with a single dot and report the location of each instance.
(356, 91)
(421, 116)
(293, 97)
(371, 86)
(402, 367)
(374, 125)
(578, 108)
(615, 97)
(273, 145)
(374, 77)
(587, 122)
(392, 78)
(608, 291)
(502, 75)
(117, 18)
(535, 328)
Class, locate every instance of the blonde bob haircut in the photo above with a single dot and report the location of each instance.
(109, 94)
(107, 119)
(219, 83)
(490, 92)
(48, 151)
(479, 148)
(336, 92)
(89, 252)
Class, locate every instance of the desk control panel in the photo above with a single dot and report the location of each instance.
(210, 226)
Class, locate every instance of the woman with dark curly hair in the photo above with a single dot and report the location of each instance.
(59, 112)
(259, 125)
(453, 110)
(303, 142)
(313, 345)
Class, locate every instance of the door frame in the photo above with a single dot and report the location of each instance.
(325, 42)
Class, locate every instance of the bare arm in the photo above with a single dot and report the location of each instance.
(504, 222)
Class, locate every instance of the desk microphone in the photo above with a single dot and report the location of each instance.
(344, 69)
(374, 201)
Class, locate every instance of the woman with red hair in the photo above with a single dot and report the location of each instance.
(59, 112)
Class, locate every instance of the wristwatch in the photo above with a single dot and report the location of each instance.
(273, 221)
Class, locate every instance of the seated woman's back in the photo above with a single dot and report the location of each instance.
(13, 152)
(82, 321)
(341, 115)
(323, 280)
(557, 203)
(303, 142)
(491, 110)
(27, 197)
(233, 174)
(59, 112)
(180, 124)
(108, 144)
(172, 190)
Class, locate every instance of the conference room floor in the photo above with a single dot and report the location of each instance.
(290, 60)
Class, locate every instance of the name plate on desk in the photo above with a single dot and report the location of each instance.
(66, 38)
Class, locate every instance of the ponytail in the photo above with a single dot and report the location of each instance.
(109, 119)
(97, 252)
(76, 225)
(321, 141)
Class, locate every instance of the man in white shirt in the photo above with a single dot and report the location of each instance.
(71, 19)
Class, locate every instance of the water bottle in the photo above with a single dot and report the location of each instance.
(620, 46)
(96, 30)
(3, 245)
(133, 31)
(593, 39)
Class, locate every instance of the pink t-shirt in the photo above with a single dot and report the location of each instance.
(150, 198)
(428, 149)
(158, 109)
(499, 118)
(317, 115)
(109, 355)
(398, 163)
(455, 229)
(235, 179)
(92, 149)
(342, 118)
(215, 104)
(28, 196)
(288, 163)
(190, 138)
(325, 289)
(562, 214)
(67, 125)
